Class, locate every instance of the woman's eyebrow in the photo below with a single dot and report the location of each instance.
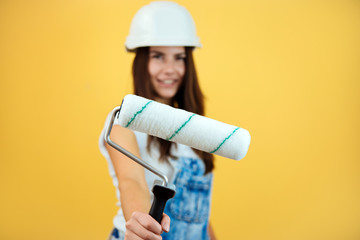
(180, 54)
(157, 52)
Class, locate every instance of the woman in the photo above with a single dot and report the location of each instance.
(163, 36)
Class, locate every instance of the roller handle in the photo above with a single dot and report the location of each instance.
(161, 195)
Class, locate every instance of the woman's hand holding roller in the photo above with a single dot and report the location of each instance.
(143, 226)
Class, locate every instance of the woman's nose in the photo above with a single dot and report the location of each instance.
(169, 67)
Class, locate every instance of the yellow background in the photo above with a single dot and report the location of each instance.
(288, 71)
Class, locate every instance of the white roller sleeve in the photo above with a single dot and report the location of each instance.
(177, 125)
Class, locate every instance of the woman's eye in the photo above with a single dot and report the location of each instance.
(157, 56)
(182, 58)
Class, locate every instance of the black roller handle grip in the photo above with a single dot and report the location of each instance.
(161, 195)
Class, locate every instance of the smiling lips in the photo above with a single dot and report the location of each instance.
(167, 82)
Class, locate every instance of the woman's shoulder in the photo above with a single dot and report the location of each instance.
(117, 131)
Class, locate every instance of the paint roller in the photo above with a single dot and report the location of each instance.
(176, 125)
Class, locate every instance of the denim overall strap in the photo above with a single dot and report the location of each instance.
(189, 209)
(116, 235)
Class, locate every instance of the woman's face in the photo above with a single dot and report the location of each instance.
(166, 68)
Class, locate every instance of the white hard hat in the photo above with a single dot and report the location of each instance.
(162, 24)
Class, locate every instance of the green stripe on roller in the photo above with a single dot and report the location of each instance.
(179, 129)
(225, 140)
(137, 113)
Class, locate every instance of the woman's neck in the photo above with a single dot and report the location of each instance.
(164, 100)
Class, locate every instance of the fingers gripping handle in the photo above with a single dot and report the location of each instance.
(161, 195)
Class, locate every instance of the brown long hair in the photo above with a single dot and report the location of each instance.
(189, 97)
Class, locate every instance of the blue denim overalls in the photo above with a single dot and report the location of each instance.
(189, 209)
